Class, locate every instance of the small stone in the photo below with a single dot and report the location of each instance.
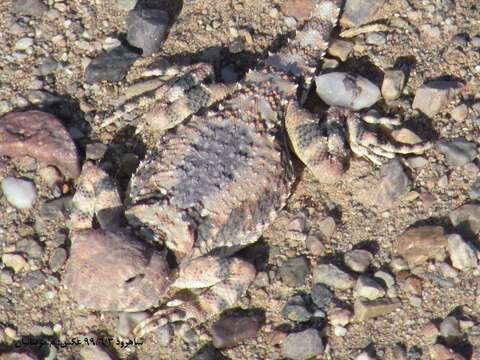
(364, 356)
(433, 97)
(50, 175)
(359, 12)
(231, 330)
(294, 271)
(33, 280)
(96, 151)
(368, 288)
(314, 245)
(441, 352)
(21, 194)
(147, 29)
(388, 279)
(326, 228)
(332, 276)
(339, 331)
(6, 276)
(450, 330)
(417, 162)
(358, 260)
(127, 321)
(48, 66)
(405, 136)
(321, 295)
(417, 245)
(367, 309)
(399, 264)
(300, 9)
(430, 332)
(30, 247)
(459, 113)
(346, 90)
(458, 152)
(34, 8)
(110, 66)
(415, 301)
(94, 352)
(413, 285)
(126, 4)
(340, 317)
(393, 183)
(340, 49)
(466, 220)
(15, 261)
(57, 259)
(376, 38)
(474, 191)
(297, 313)
(392, 85)
(23, 44)
(302, 345)
(462, 254)
(164, 335)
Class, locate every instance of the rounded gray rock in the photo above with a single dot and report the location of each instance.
(302, 345)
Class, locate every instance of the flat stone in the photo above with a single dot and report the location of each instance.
(367, 309)
(433, 97)
(466, 219)
(462, 254)
(314, 245)
(15, 261)
(392, 85)
(457, 152)
(231, 330)
(459, 113)
(297, 313)
(34, 8)
(368, 288)
(321, 295)
(346, 90)
(405, 136)
(474, 191)
(340, 49)
(417, 162)
(110, 66)
(299, 9)
(417, 245)
(21, 194)
(326, 227)
(57, 259)
(30, 247)
(358, 260)
(164, 335)
(23, 43)
(112, 271)
(376, 38)
(340, 317)
(41, 136)
(394, 182)
(333, 277)
(302, 345)
(147, 29)
(33, 280)
(359, 12)
(294, 271)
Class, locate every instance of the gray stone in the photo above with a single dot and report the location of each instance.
(368, 288)
(359, 12)
(295, 312)
(466, 219)
(321, 295)
(57, 259)
(164, 335)
(147, 29)
(294, 271)
(376, 38)
(457, 152)
(433, 97)
(346, 90)
(474, 191)
(21, 194)
(459, 113)
(462, 254)
(48, 66)
(450, 330)
(358, 260)
(394, 182)
(340, 49)
(34, 8)
(332, 276)
(231, 330)
(33, 280)
(110, 66)
(302, 345)
(417, 162)
(326, 227)
(30, 247)
(392, 84)
(23, 43)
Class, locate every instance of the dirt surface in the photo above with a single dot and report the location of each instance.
(72, 32)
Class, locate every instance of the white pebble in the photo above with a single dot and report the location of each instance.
(20, 193)
(23, 43)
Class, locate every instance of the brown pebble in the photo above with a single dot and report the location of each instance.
(230, 331)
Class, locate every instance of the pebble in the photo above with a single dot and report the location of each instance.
(339, 331)
(6, 276)
(417, 245)
(139, 279)
(164, 335)
(441, 352)
(23, 44)
(57, 259)
(368, 288)
(48, 141)
(300, 9)
(30, 247)
(110, 66)
(33, 280)
(294, 271)
(388, 279)
(474, 191)
(392, 85)
(340, 317)
(34, 8)
(147, 29)
(450, 330)
(358, 260)
(417, 162)
(394, 182)
(333, 277)
(433, 97)
(340, 49)
(466, 220)
(326, 228)
(20, 193)
(296, 313)
(367, 309)
(126, 4)
(231, 330)
(321, 295)
(346, 90)
(413, 285)
(376, 38)
(462, 254)
(314, 245)
(359, 12)
(458, 152)
(429, 332)
(15, 261)
(94, 352)
(127, 321)
(302, 345)
(459, 113)
(364, 356)
(48, 66)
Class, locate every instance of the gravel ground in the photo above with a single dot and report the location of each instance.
(427, 40)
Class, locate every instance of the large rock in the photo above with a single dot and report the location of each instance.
(41, 136)
(417, 245)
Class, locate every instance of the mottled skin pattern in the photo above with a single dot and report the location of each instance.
(211, 185)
